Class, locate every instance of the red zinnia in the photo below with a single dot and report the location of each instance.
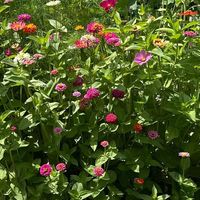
(139, 181)
(188, 13)
(137, 128)
(111, 118)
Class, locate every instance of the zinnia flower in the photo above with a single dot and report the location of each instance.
(45, 170)
(190, 33)
(95, 27)
(61, 167)
(92, 93)
(57, 130)
(119, 94)
(184, 154)
(139, 181)
(112, 39)
(86, 41)
(79, 27)
(111, 118)
(24, 17)
(98, 171)
(153, 135)
(54, 72)
(13, 128)
(104, 143)
(30, 28)
(38, 56)
(137, 128)
(17, 26)
(108, 4)
(142, 57)
(159, 43)
(76, 94)
(28, 61)
(78, 81)
(60, 87)
(8, 52)
(188, 13)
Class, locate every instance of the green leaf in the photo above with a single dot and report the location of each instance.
(2, 8)
(177, 177)
(185, 163)
(154, 192)
(26, 122)
(117, 18)
(110, 29)
(167, 30)
(3, 173)
(101, 160)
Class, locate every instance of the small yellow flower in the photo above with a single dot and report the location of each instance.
(159, 43)
(79, 27)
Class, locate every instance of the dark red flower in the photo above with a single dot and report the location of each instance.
(118, 93)
(78, 81)
(111, 118)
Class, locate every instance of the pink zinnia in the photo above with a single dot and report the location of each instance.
(108, 4)
(28, 61)
(45, 170)
(8, 52)
(24, 17)
(112, 39)
(61, 167)
(119, 94)
(38, 56)
(98, 171)
(17, 26)
(184, 154)
(92, 93)
(54, 72)
(60, 87)
(104, 143)
(95, 27)
(142, 57)
(76, 94)
(57, 130)
(190, 33)
(111, 118)
(153, 135)
(13, 128)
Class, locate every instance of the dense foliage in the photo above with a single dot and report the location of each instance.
(99, 99)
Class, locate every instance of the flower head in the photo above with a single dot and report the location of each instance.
(30, 28)
(188, 13)
(8, 1)
(139, 181)
(13, 128)
(95, 27)
(54, 72)
(137, 128)
(76, 94)
(92, 93)
(159, 43)
(86, 41)
(79, 27)
(38, 56)
(112, 39)
(142, 57)
(45, 169)
(17, 26)
(104, 143)
(57, 130)
(108, 4)
(61, 167)
(78, 81)
(184, 154)
(98, 171)
(190, 33)
(111, 118)
(60, 87)
(117, 93)
(153, 134)
(8, 52)
(28, 61)
(24, 17)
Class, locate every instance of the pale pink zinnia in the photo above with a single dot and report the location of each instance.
(104, 143)
(153, 134)
(17, 26)
(98, 171)
(45, 169)
(57, 130)
(61, 167)
(60, 87)
(190, 33)
(76, 94)
(184, 154)
(142, 57)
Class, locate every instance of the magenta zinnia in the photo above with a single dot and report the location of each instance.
(45, 170)
(142, 57)
(24, 17)
(98, 171)
(92, 93)
(108, 4)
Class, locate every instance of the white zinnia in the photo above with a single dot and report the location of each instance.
(19, 58)
(53, 3)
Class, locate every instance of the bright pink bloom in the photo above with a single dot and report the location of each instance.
(153, 135)
(119, 94)
(142, 57)
(95, 27)
(13, 128)
(24, 17)
(8, 52)
(17, 26)
(108, 4)
(112, 39)
(110, 35)
(60, 87)
(45, 170)
(28, 61)
(57, 130)
(61, 167)
(104, 143)
(111, 118)
(98, 171)
(92, 93)
(78, 81)
(54, 72)
(190, 33)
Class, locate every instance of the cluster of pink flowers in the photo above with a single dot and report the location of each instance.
(190, 33)
(86, 41)
(112, 39)
(46, 169)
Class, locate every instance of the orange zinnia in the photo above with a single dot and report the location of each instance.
(188, 13)
(30, 28)
(79, 27)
